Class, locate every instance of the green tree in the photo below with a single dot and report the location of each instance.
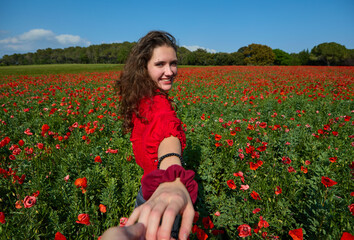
(329, 54)
(281, 57)
(258, 54)
(182, 53)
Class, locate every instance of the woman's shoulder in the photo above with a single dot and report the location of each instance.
(156, 103)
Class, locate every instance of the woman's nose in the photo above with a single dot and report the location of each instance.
(169, 71)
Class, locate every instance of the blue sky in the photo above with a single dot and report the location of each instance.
(216, 25)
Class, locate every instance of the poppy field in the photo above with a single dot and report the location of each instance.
(272, 148)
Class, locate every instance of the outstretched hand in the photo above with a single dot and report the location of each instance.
(169, 199)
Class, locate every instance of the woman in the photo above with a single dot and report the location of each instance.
(158, 139)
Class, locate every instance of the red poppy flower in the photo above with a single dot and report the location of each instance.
(59, 236)
(217, 137)
(230, 142)
(351, 208)
(256, 210)
(328, 182)
(333, 159)
(335, 133)
(218, 144)
(98, 159)
(207, 223)
(255, 195)
(296, 234)
(262, 223)
(2, 218)
(81, 182)
(278, 190)
(262, 125)
(123, 221)
(21, 142)
(253, 166)
(347, 236)
(303, 169)
(244, 230)
(102, 208)
(231, 184)
(84, 219)
(29, 201)
(347, 118)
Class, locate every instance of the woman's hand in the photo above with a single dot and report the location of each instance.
(169, 199)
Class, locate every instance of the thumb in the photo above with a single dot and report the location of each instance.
(136, 231)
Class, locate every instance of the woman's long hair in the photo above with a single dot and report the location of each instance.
(135, 82)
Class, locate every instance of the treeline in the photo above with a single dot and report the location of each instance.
(326, 54)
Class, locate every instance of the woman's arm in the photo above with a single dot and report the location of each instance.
(169, 199)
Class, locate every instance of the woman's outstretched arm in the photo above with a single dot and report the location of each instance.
(169, 199)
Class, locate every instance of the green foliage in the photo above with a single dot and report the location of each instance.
(302, 113)
(258, 54)
(281, 57)
(330, 54)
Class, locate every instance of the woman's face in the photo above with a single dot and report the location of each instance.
(162, 66)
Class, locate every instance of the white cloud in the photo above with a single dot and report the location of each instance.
(39, 39)
(196, 47)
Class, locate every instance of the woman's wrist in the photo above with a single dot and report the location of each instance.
(152, 180)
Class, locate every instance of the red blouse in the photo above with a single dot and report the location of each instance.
(159, 122)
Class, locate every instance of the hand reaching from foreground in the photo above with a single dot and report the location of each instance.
(134, 232)
(169, 199)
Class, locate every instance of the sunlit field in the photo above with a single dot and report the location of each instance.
(272, 148)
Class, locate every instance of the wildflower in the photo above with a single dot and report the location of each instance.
(81, 182)
(230, 142)
(296, 234)
(255, 195)
(244, 230)
(231, 184)
(29, 201)
(21, 142)
(84, 219)
(2, 218)
(244, 187)
(217, 214)
(66, 178)
(207, 223)
(240, 174)
(347, 236)
(328, 182)
(28, 132)
(303, 169)
(59, 236)
(262, 223)
(217, 137)
(333, 159)
(123, 221)
(102, 208)
(278, 190)
(256, 210)
(351, 208)
(98, 159)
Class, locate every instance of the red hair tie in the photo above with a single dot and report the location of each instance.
(152, 180)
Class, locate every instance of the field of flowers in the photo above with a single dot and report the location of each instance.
(272, 148)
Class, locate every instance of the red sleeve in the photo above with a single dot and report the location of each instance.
(162, 123)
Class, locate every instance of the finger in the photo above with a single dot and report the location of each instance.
(187, 222)
(133, 217)
(154, 220)
(168, 219)
(135, 232)
(144, 213)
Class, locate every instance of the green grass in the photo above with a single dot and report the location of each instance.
(57, 69)
(35, 70)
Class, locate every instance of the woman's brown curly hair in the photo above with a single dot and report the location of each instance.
(135, 82)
